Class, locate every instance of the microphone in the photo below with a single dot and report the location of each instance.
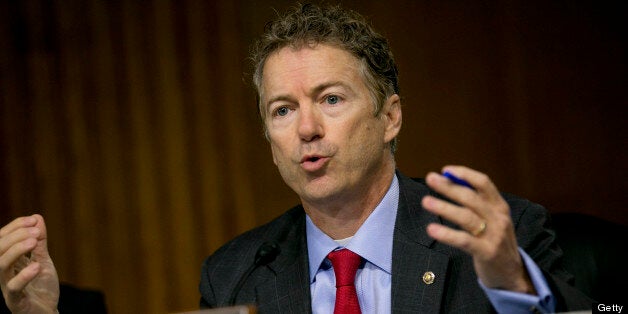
(266, 253)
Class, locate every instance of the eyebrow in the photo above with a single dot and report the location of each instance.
(279, 98)
(318, 89)
(314, 91)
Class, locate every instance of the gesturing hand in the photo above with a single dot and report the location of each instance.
(28, 277)
(487, 231)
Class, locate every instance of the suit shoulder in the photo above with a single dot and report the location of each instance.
(222, 269)
(522, 209)
(247, 243)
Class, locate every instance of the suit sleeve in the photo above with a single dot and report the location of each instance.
(535, 236)
(208, 299)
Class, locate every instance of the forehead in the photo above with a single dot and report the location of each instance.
(308, 66)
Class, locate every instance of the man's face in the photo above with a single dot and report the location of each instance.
(325, 139)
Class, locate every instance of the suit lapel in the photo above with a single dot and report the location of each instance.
(415, 254)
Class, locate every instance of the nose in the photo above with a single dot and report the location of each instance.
(310, 125)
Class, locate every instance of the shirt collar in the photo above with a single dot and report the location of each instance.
(373, 240)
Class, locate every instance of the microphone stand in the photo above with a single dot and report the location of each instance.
(266, 253)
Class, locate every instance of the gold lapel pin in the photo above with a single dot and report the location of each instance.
(428, 277)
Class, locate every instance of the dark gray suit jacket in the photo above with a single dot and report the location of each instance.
(283, 285)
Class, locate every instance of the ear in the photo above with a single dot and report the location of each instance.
(391, 115)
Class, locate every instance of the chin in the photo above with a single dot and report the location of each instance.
(317, 189)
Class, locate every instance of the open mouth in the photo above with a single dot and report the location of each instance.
(313, 163)
(311, 158)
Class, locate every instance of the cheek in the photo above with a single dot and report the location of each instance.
(280, 149)
(272, 149)
(365, 131)
(359, 140)
(368, 140)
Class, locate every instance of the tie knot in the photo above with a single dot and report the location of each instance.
(345, 265)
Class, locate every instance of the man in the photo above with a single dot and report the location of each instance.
(328, 99)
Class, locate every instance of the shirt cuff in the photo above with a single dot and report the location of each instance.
(505, 301)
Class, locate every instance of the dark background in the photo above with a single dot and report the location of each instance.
(132, 126)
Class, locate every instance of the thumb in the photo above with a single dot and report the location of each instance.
(41, 249)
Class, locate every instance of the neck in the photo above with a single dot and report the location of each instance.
(342, 216)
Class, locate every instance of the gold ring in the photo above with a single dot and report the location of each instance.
(480, 229)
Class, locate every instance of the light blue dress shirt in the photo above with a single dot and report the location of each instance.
(374, 242)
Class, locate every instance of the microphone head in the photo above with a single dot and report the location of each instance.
(267, 253)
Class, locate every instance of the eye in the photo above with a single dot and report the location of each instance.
(332, 99)
(282, 111)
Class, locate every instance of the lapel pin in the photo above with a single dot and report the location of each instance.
(428, 277)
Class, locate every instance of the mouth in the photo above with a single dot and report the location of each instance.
(310, 159)
(312, 163)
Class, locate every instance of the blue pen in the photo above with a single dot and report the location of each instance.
(457, 180)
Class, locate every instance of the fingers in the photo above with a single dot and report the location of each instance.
(18, 238)
(22, 222)
(13, 253)
(456, 238)
(487, 230)
(463, 217)
(485, 200)
(457, 193)
(480, 181)
(466, 219)
(17, 284)
(478, 211)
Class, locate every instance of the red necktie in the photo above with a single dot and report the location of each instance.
(345, 265)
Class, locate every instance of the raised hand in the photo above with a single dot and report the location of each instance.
(28, 277)
(487, 231)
